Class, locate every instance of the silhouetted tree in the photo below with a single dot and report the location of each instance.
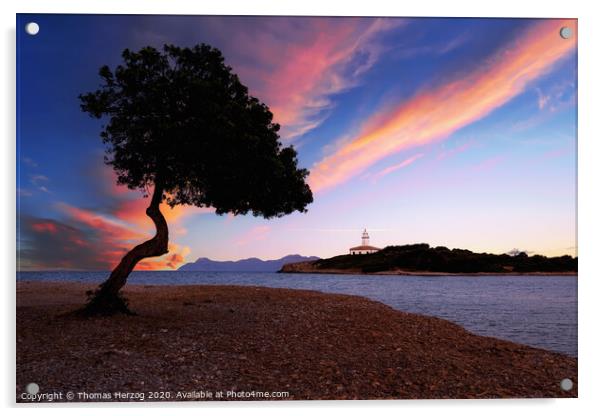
(182, 128)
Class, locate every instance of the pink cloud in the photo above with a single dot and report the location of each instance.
(44, 227)
(296, 68)
(393, 168)
(255, 234)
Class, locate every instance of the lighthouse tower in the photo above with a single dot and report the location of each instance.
(365, 238)
(365, 248)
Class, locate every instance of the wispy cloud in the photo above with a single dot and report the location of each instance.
(297, 68)
(405, 52)
(542, 99)
(23, 192)
(39, 182)
(446, 153)
(110, 228)
(393, 168)
(437, 112)
(557, 97)
(37, 179)
(29, 162)
(488, 163)
(255, 234)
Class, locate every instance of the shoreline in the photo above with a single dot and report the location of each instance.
(310, 344)
(297, 270)
(325, 271)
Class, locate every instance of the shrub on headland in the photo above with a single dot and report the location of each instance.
(422, 257)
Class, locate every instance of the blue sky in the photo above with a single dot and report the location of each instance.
(456, 132)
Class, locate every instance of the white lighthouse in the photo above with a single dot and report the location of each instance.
(365, 238)
(365, 248)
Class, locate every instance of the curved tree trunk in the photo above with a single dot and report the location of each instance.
(107, 300)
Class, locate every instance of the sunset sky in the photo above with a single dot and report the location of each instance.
(455, 132)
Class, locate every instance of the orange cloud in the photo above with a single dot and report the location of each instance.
(436, 113)
(133, 211)
(174, 259)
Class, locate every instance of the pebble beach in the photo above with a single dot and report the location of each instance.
(255, 343)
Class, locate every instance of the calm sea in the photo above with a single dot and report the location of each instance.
(535, 310)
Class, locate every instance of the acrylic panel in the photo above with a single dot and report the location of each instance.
(295, 208)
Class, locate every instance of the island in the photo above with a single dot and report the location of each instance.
(422, 259)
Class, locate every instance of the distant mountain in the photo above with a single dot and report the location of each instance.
(253, 264)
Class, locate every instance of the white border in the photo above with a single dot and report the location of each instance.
(590, 25)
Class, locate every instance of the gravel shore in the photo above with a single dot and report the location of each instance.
(242, 342)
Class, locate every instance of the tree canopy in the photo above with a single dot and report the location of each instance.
(181, 119)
